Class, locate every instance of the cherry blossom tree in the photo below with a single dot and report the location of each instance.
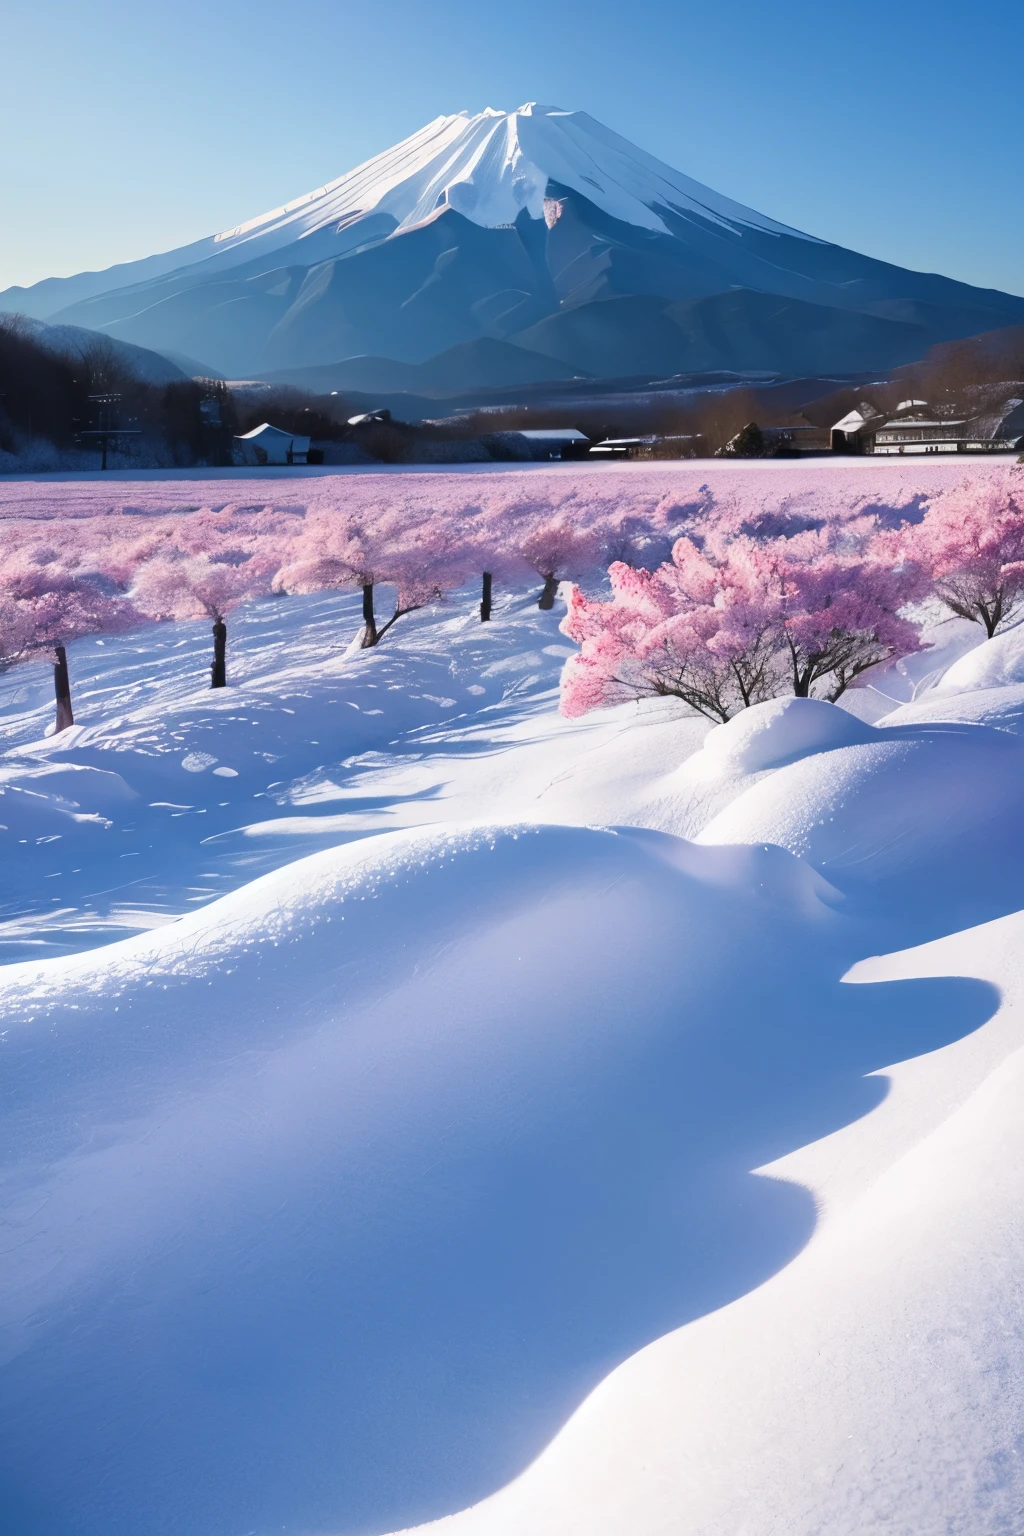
(740, 621)
(556, 547)
(46, 606)
(15, 631)
(205, 569)
(485, 550)
(692, 629)
(835, 603)
(971, 544)
(334, 552)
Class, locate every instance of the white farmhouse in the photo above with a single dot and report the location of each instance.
(271, 445)
(553, 442)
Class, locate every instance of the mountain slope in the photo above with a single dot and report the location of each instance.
(483, 364)
(75, 341)
(742, 330)
(481, 227)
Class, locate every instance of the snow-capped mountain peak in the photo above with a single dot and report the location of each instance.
(517, 227)
(490, 166)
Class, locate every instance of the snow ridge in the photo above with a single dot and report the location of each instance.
(490, 166)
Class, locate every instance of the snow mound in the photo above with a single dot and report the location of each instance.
(1002, 708)
(874, 1384)
(930, 810)
(755, 742)
(49, 802)
(75, 786)
(780, 731)
(996, 663)
(327, 1204)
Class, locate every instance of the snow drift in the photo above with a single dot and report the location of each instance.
(521, 1123)
(330, 1201)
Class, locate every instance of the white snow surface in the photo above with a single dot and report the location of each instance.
(421, 1108)
(777, 733)
(997, 663)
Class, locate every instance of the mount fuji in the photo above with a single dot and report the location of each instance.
(512, 247)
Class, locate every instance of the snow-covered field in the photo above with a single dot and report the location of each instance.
(421, 1107)
(22, 493)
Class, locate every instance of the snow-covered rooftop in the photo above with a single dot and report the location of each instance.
(264, 430)
(552, 435)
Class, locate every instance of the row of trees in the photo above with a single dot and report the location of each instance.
(722, 600)
(64, 580)
(733, 619)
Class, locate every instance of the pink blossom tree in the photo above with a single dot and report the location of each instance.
(555, 546)
(333, 553)
(740, 621)
(835, 603)
(971, 544)
(692, 629)
(421, 561)
(46, 606)
(15, 631)
(205, 569)
(484, 549)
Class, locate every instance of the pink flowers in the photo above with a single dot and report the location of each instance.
(723, 591)
(741, 620)
(212, 562)
(970, 544)
(787, 593)
(49, 597)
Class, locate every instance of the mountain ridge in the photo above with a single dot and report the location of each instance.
(519, 227)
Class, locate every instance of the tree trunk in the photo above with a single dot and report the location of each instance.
(370, 632)
(485, 599)
(547, 597)
(62, 689)
(219, 669)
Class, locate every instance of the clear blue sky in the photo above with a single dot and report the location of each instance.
(128, 128)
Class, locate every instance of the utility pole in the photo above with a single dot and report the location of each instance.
(104, 413)
(106, 430)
